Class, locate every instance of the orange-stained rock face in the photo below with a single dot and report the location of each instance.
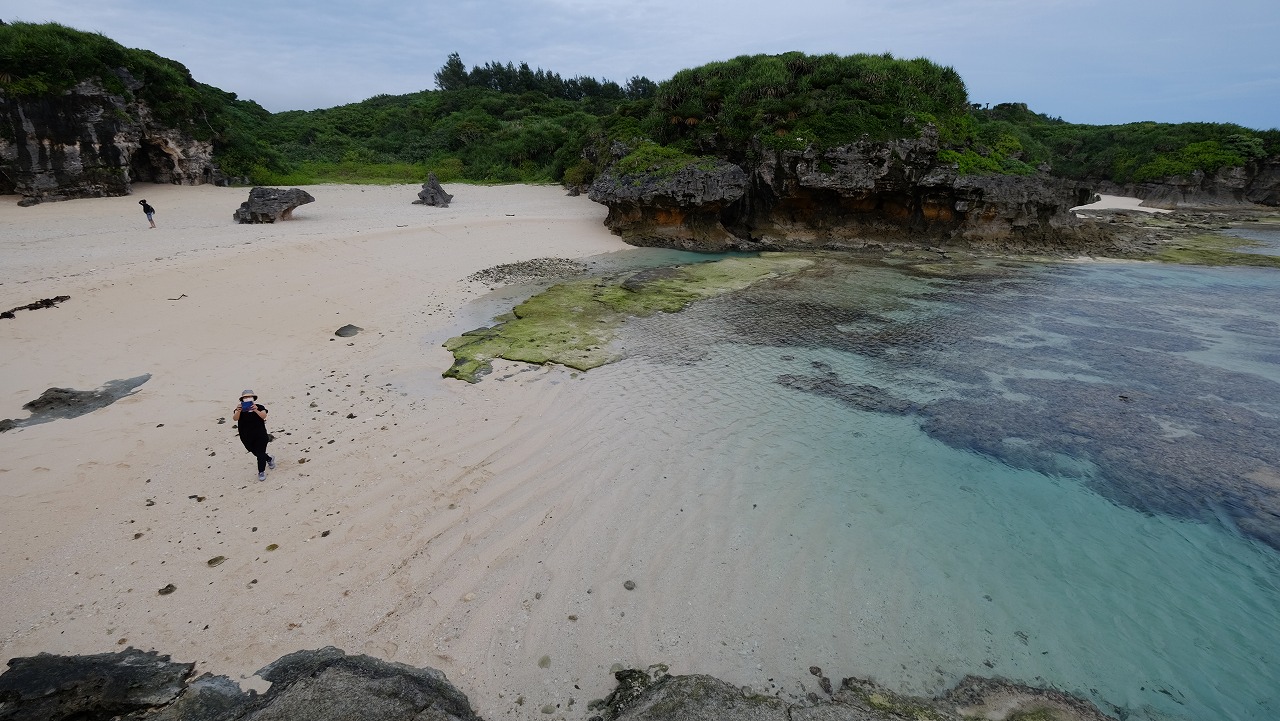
(861, 204)
(937, 212)
(896, 211)
(669, 216)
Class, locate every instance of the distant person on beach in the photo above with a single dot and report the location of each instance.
(150, 211)
(251, 421)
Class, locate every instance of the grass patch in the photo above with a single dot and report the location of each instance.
(352, 172)
(652, 159)
(574, 323)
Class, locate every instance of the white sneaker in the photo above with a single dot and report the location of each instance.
(262, 476)
(271, 462)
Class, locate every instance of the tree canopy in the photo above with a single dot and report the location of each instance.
(507, 122)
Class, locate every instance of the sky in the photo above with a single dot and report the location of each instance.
(1085, 61)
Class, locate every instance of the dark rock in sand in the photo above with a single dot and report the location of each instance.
(347, 331)
(701, 698)
(328, 684)
(322, 685)
(267, 205)
(57, 403)
(100, 686)
(433, 194)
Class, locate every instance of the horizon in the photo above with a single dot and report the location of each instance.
(1085, 61)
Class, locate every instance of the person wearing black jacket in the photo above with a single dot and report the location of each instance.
(150, 211)
(251, 422)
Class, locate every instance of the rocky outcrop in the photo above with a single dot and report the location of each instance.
(267, 205)
(432, 193)
(648, 696)
(328, 685)
(131, 685)
(862, 195)
(1229, 188)
(90, 143)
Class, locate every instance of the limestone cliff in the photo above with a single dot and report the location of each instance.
(860, 195)
(89, 143)
(1257, 183)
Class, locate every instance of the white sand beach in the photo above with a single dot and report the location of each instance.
(414, 530)
(1119, 202)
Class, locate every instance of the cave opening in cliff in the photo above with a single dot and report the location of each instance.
(151, 164)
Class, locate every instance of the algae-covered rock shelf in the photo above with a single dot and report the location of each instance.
(573, 323)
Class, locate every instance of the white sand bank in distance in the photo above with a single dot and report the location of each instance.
(1118, 202)
(383, 539)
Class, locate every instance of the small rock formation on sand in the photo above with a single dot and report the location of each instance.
(267, 205)
(347, 331)
(432, 193)
(320, 685)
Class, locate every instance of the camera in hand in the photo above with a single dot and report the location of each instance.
(246, 405)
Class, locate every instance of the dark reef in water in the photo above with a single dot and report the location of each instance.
(329, 685)
(1042, 375)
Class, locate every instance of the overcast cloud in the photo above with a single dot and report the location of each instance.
(1087, 61)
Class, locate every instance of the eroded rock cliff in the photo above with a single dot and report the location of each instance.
(867, 194)
(1257, 183)
(90, 143)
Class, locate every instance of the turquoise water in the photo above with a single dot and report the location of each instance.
(1062, 474)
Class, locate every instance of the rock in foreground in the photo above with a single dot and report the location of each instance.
(130, 685)
(329, 685)
(659, 697)
(267, 205)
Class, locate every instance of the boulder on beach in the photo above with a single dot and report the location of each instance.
(267, 205)
(320, 684)
(432, 193)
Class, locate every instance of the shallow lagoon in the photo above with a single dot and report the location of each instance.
(1060, 473)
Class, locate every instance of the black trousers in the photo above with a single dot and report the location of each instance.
(258, 447)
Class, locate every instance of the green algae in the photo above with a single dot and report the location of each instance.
(574, 323)
(1214, 249)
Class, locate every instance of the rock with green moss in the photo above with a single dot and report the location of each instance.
(671, 201)
(573, 324)
(1216, 249)
(645, 696)
(702, 698)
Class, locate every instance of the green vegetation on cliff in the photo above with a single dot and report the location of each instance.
(794, 100)
(510, 123)
(48, 58)
(1134, 152)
